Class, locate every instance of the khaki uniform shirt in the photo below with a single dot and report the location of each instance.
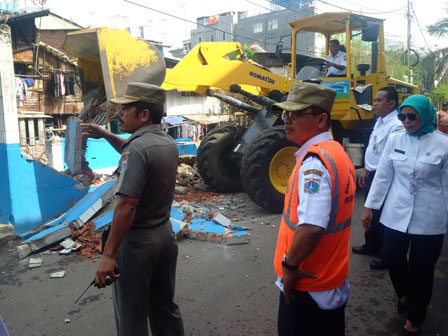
(147, 170)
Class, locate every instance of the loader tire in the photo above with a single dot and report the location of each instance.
(267, 166)
(216, 165)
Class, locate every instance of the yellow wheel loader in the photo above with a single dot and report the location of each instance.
(259, 159)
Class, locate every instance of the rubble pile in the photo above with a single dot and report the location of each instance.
(188, 176)
(89, 240)
(192, 196)
(84, 242)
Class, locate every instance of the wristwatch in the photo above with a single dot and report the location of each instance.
(288, 266)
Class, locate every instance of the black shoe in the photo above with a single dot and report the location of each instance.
(377, 264)
(364, 250)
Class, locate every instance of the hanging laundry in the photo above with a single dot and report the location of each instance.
(21, 91)
(71, 84)
(61, 84)
(29, 82)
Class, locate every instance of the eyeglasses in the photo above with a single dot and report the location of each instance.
(293, 115)
(410, 116)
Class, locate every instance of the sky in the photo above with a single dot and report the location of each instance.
(164, 27)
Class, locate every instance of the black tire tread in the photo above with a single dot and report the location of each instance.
(207, 159)
(255, 168)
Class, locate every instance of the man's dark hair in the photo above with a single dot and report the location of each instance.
(155, 111)
(444, 104)
(391, 94)
(335, 42)
(318, 110)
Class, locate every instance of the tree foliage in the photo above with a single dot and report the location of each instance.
(250, 53)
(440, 94)
(440, 29)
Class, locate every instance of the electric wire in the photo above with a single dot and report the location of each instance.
(369, 8)
(351, 10)
(193, 22)
(290, 8)
(420, 28)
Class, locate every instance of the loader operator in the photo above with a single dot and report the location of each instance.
(336, 60)
(311, 257)
(141, 241)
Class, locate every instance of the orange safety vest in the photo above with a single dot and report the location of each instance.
(330, 258)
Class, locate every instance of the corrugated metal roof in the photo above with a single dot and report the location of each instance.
(26, 16)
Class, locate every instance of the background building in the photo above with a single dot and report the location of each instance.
(264, 32)
(217, 28)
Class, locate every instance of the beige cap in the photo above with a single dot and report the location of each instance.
(303, 95)
(142, 92)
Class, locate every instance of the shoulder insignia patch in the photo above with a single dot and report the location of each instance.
(312, 185)
(124, 161)
(313, 171)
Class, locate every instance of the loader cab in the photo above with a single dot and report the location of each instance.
(362, 38)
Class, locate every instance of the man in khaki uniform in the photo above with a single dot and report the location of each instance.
(141, 242)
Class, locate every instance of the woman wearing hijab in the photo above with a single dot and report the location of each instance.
(412, 179)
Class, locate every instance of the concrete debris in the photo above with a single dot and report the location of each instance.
(59, 274)
(24, 250)
(35, 262)
(188, 176)
(89, 240)
(67, 243)
(188, 217)
(180, 190)
(67, 320)
(222, 220)
(6, 230)
(65, 251)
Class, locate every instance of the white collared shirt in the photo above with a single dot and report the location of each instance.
(412, 179)
(314, 207)
(378, 139)
(340, 59)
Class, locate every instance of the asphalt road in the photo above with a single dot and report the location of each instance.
(221, 289)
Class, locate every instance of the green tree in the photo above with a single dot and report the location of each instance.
(440, 94)
(440, 29)
(250, 53)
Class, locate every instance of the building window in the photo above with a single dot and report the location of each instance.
(223, 36)
(213, 39)
(142, 31)
(200, 40)
(273, 24)
(258, 27)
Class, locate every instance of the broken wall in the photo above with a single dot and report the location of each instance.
(30, 192)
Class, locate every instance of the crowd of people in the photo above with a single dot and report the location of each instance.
(406, 183)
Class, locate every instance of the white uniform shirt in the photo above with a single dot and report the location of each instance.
(314, 208)
(412, 178)
(340, 59)
(378, 138)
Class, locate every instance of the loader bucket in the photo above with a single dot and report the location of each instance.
(112, 58)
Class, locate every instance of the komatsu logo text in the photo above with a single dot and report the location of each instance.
(263, 78)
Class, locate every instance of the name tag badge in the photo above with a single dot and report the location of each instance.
(375, 145)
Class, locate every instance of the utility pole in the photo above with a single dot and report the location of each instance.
(409, 42)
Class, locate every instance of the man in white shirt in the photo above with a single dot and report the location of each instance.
(385, 107)
(311, 257)
(336, 60)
